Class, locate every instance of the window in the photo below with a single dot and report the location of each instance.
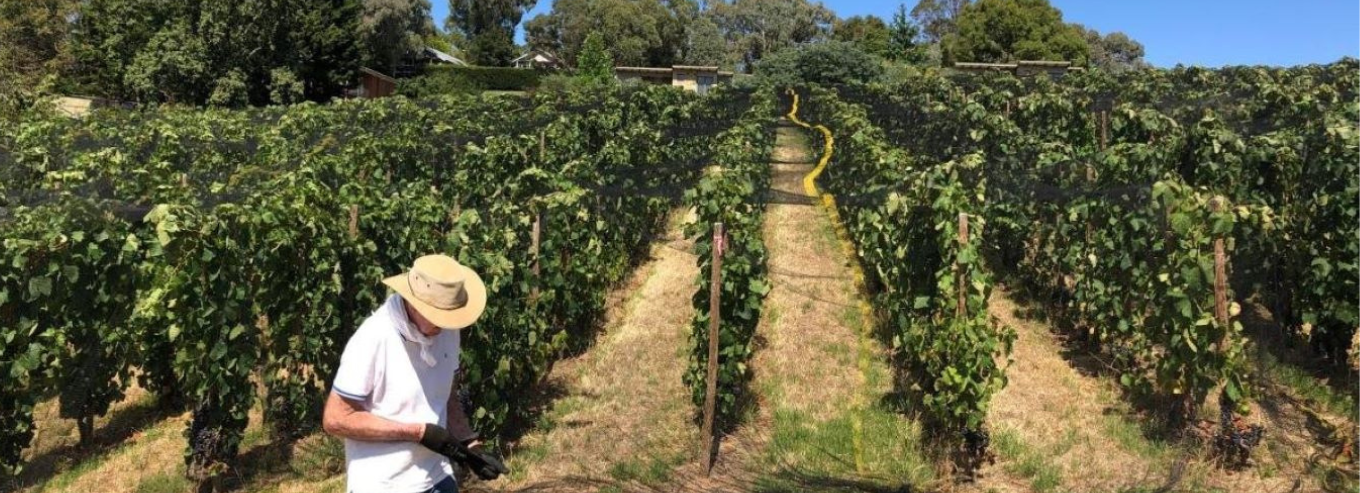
(705, 81)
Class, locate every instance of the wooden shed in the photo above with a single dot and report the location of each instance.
(374, 84)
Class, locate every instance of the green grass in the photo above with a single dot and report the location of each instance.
(173, 482)
(63, 481)
(806, 455)
(1307, 387)
(319, 459)
(536, 451)
(1024, 461)
(648, 471)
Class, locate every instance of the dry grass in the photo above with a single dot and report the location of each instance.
(1058, 429)
(625, 414)
(810, 349)
(1056, 413)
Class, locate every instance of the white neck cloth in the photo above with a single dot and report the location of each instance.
(396, 308)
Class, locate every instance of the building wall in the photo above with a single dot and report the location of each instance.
(689, 79)
(662, 79)
(684, 79)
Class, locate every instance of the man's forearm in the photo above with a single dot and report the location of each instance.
(368, 427)
(343, 420)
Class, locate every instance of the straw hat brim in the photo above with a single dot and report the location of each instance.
(454, 319)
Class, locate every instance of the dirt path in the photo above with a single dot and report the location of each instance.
(623, 416)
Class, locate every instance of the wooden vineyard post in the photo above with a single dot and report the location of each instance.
(714, 322)
(1104, 129)
(353, 221)
(1220, 275)
(962, 308)
(534, 245)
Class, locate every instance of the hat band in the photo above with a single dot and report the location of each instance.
(441, 295)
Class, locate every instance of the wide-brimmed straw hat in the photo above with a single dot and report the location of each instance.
(447, 293)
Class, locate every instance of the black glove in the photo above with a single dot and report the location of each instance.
(435, 437)
(482, 463)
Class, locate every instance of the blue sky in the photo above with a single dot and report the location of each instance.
(1192, 32)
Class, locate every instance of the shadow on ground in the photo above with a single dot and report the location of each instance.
(122, 425)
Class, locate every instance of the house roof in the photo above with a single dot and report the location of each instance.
(377, 74)
(672, 69)
(1043, 63)
(645, 70)
(444, 57)
(533, 53)
(975, 65)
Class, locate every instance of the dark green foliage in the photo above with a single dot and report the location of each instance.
(492, 49)
(832, 62)
(489, 28)
(595, 62)
(903, 34)
(246, 273)
(226, 53)
(733, 194)
(1009, 30)
(869, 33)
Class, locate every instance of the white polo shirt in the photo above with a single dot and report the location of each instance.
(384, 371)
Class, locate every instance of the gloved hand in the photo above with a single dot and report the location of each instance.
(482, 463)
(435, 437)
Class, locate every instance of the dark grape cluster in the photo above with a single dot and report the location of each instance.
(1236, 439)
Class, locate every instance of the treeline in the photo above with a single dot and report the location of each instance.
(259, 52)
(740, 33)
(232, 54)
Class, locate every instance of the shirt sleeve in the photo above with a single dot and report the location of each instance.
(359, 367)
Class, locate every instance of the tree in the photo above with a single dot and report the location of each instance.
(640, 32)
(489, 27)
(832, 62)
(1009, 30)
(757, 28)
(391, 30)
(34, 37)
(1114, 52)
(704, 44)
(902, 35)
(937, 17)
(595, 63)
(544, 32)
(227, 51)
(869, 33)
(321, 52)
(171, 67)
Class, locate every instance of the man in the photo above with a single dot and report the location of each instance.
(392, 399)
